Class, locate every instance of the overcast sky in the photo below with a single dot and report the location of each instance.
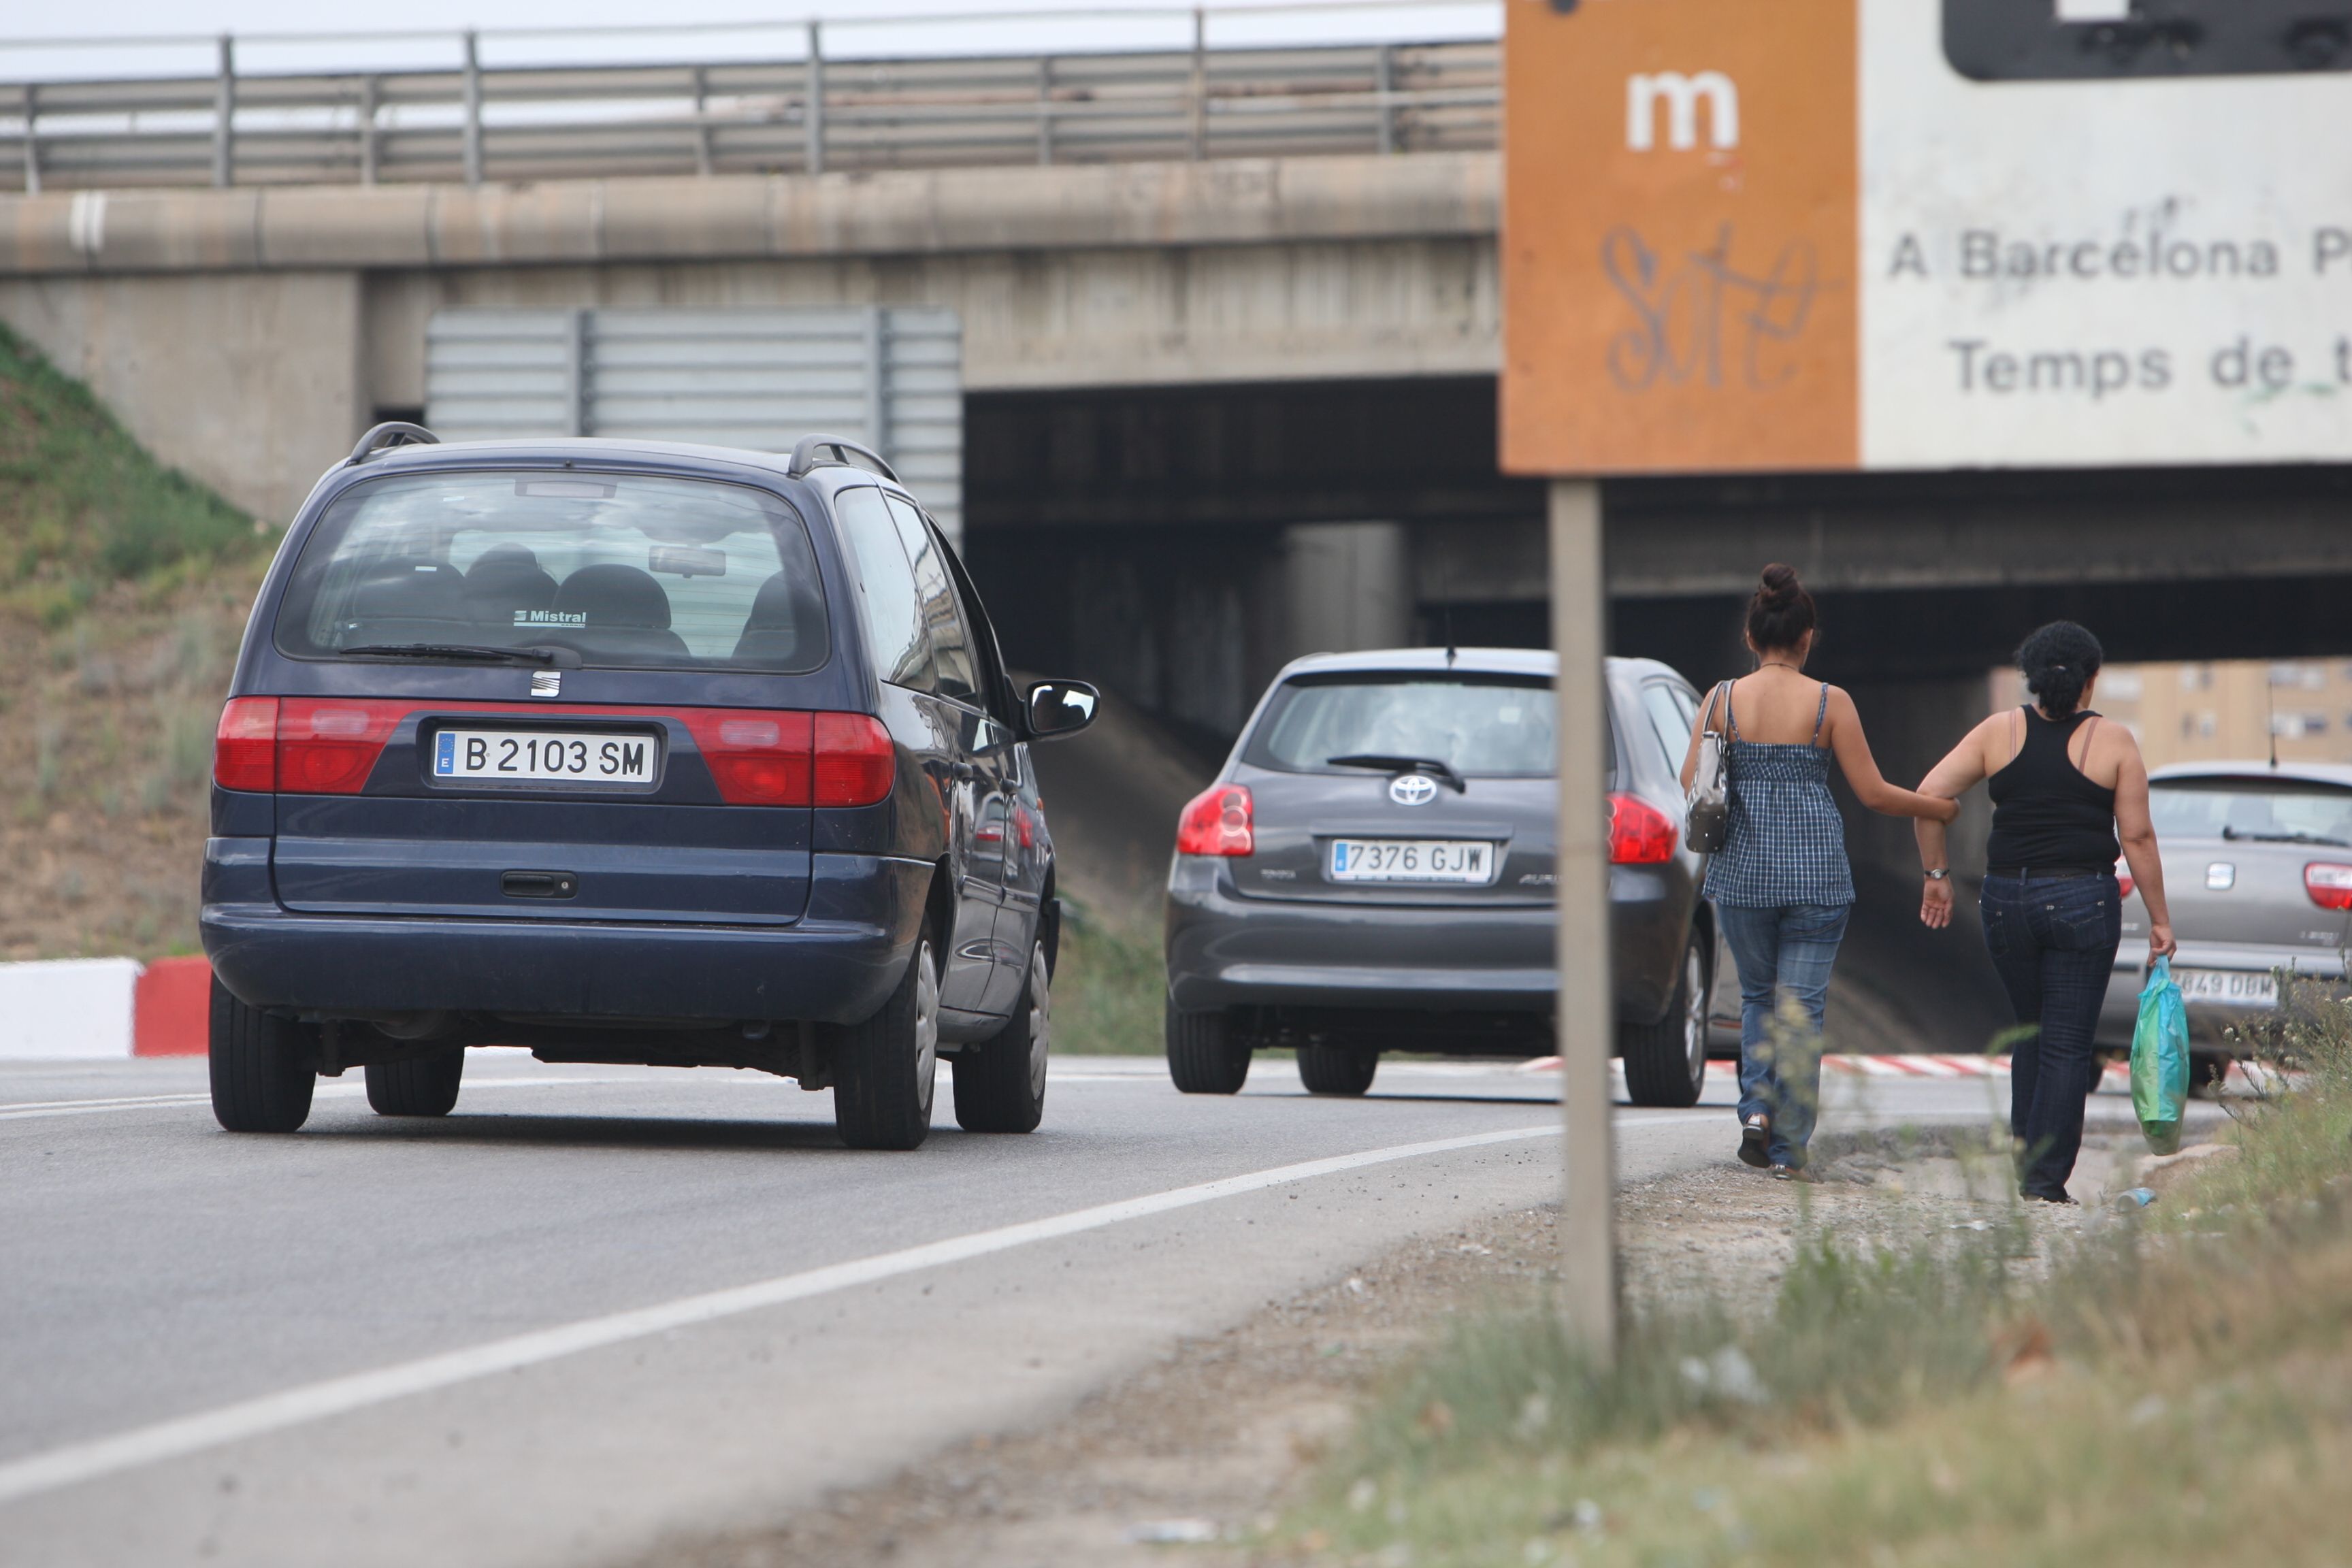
(1100, 25)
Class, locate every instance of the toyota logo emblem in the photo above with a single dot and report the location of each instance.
(1412, 789)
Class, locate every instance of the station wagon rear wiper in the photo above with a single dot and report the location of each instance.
(469, 653)
(1394, 764)
(2233, 833)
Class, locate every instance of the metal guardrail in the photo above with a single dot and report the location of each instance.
(805, 113)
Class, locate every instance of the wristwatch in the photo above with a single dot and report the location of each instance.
(1940, 874)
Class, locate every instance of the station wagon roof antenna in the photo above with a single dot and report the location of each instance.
(1445, 605)
(2270, 713)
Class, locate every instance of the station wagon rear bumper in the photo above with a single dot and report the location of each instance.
(837, 964)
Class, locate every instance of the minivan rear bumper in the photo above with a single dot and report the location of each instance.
(836, 965)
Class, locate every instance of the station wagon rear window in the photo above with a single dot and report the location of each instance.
(1489, 727)
(626, 570)
(2262, 811)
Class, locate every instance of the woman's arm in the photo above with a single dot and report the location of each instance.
(1961, 770)
(1870, 788)
(2137, 830)
(1698, 729)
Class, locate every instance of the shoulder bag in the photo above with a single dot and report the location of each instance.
(1707, 812)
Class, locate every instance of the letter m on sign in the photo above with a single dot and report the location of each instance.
(1680, 96)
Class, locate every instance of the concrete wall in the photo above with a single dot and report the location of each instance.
(248, 382)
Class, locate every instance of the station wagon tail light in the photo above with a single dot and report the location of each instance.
(244, 746)
(2123, 883)
(755, 759)
(1639, 833)
(855, 763)
(2329, 885)
(330, 747)
(1220, 820)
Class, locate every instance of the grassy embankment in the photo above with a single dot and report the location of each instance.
(2173, 1388)
(122, 590)
(1109, 985)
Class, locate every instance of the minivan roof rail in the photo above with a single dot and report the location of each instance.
(391, 432)
(805, 455)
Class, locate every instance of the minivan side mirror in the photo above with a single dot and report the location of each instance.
(1054, 708)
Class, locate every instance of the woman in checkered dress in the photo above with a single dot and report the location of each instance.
(1780, 885)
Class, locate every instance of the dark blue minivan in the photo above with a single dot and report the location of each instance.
(628, 752)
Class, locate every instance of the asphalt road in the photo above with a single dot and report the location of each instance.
(597, 1306)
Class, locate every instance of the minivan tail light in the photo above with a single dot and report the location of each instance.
(331, 746)
(855, 763)
(754, 758)
(1220, 820)
(244, 746)
(1639, 833)
(2329, 885)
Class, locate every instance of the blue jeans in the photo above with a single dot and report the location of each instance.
(1784, 956)
(2053, 941)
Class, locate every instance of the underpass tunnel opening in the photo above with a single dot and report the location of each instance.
(1178, 545)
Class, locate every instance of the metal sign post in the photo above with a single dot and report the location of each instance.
(1584, 1019)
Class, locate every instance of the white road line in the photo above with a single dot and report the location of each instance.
(80, 1462)
(30, 1109)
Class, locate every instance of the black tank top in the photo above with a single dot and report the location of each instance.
(2045, 811)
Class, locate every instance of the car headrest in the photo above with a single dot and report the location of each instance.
(510, 576)
(786, 604)
(615, 595)
(407, 586)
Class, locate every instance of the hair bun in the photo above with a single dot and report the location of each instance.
(1779, 583)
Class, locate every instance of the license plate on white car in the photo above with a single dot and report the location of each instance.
(2228, 987)
(1412, 860)
(544, 756)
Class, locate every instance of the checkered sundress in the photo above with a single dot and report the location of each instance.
(1787, 842)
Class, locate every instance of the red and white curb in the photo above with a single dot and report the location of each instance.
(2113, 1075)
(101, 1009)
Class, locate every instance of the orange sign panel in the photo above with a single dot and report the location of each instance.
(1679, 236)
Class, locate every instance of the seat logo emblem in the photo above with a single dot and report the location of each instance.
(546, 683)
(2220, 877)
(1412, 789)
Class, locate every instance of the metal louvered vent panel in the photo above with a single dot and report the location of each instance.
(888, 376)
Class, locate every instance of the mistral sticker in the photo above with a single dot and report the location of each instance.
(550, 617)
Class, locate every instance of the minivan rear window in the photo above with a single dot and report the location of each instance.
(628, 571)
(2273, 811)
(1485, 727)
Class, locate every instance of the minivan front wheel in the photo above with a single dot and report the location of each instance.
(421, 1086)
(1205, 1054)
(884, 1068)
(1000, 1083)
(1665, 1062)
(261, 1067)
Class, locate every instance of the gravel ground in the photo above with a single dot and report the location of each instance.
(1210, 1446)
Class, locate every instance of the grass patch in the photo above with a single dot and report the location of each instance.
(1110, 985)
(2170, 1390)
(82, 504)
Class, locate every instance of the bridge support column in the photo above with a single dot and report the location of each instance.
(1347, 587)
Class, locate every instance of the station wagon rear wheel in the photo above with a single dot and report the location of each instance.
(1000, 1083)
(1336, 1069)
(261, 1067)
(421, 1086)
(1205, 1055)
(884, 1068)
(1665, 1062)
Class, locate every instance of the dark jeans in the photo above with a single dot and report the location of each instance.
(1784, 956)
(2054, 942)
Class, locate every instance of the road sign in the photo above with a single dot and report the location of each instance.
(1891, 234)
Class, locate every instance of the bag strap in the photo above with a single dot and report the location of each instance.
(1822, 714)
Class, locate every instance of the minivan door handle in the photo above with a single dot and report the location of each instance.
(539, 884)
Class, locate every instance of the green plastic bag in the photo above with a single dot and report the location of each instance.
(2159, 1062)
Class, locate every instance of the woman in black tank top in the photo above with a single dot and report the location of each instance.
(2052, 911)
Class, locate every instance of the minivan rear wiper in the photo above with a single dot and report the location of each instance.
(1396, 764)
(469, 653)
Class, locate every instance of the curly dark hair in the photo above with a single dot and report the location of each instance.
(2059, 660)
(1779, 612)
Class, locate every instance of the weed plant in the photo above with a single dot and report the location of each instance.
(2170, 1387)
(1110, 987)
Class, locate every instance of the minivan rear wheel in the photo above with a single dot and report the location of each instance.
(421, 1086)
(884, 1068)
(1665, 1062)
(1336, 1069)
(1000, 1083)
(261, 1067)
(1205, 1055)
